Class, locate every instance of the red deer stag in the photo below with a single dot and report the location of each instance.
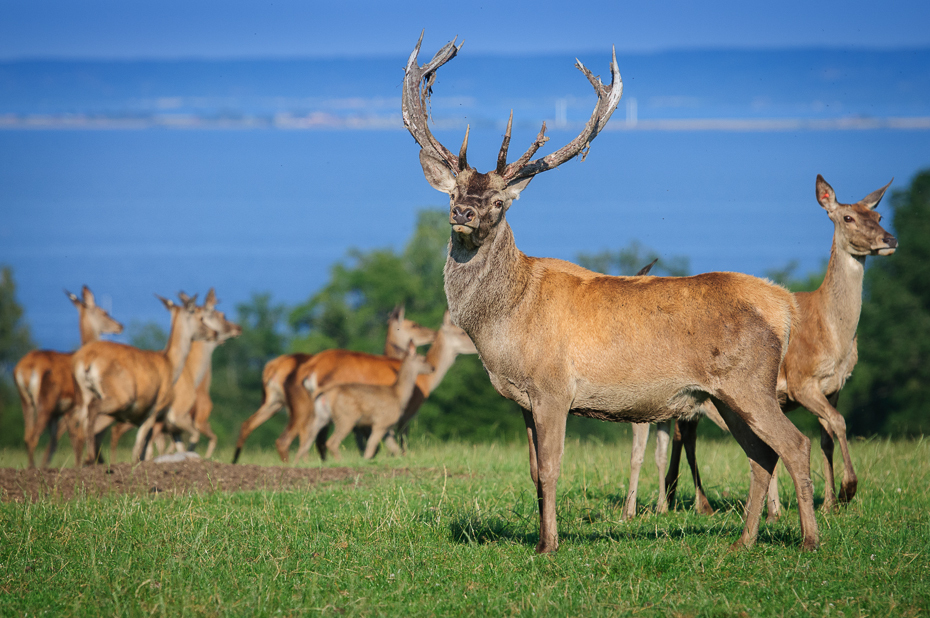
(133, 385)
(629, 349)
(822, 352)
(278, 380)
(344, 367)
(46, 385)
(376, 406)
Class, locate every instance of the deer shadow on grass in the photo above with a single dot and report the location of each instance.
(487, 528)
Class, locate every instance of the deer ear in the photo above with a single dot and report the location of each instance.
(167, 302)
(517, 186)
(210, 301)
(825, 195)
(74, 299)
(437, 174)
(871, 200)
(446, 319)
(88, 296)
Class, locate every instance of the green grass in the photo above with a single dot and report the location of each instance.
(455, 536)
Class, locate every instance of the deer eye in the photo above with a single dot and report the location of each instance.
(498, 203)
(848, 219)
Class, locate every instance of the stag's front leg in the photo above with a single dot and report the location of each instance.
(531, 435)
(549, 418)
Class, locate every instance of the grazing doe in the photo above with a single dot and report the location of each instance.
(46, 385)
(376, 406)
(628, 349)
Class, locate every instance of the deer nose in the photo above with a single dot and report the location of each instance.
(891, 241)
(462, 214)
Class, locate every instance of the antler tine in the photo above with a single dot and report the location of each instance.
(418, 82)
(538, 143)
(502, 157)
(463, 161)
(607, 100)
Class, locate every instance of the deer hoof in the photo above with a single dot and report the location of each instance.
(547, 547)
(848, 490)
(810, 545)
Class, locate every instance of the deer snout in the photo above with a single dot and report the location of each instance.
(891, 243)
(462, 215)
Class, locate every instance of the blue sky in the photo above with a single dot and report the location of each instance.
(272, 210)
(131, 29)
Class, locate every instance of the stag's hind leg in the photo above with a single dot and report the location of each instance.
(772, 429)
(762, 460)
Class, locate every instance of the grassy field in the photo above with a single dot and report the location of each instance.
(455, 536)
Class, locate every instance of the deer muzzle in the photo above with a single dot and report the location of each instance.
(463, 219)
(890, 242)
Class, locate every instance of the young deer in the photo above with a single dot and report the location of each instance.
(278, 380)
(630, 349)
(822, 352)
(46, 385)
(133, 385)
(375, 406)
(341, 367)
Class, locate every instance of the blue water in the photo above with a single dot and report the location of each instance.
(132, 213)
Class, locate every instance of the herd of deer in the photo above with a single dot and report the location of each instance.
(554, 337)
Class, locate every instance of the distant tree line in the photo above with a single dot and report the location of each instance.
(885, 396)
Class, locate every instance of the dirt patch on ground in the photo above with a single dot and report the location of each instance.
(17, 485)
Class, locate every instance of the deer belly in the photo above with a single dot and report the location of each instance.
(643, 404)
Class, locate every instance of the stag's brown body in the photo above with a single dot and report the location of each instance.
(46, 384)
(640, 349)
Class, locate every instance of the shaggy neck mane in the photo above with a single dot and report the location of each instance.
(484, 281)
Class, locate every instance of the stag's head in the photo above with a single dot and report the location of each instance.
(478, 201)
(857, 227)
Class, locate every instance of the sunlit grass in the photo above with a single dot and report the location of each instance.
(455, 535)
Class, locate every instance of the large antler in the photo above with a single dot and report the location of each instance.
(418, 82)
(607, 100)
